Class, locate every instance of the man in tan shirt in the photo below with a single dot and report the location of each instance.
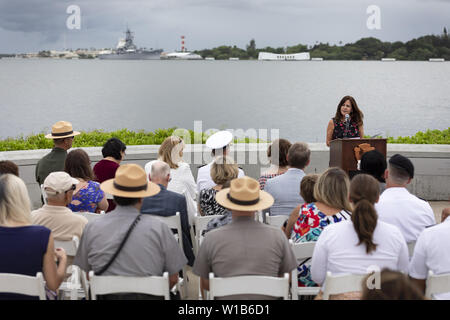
(55, 215)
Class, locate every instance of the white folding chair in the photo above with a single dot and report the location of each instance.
(302, 251)
(411, 246)
(263, 285)
(73, 286)
(91, 216)
(437, 283)
(174, 222)
(201, 222)
(22, 284)
(154, 285)
(336, 284)
(44, 194)
(276, 221)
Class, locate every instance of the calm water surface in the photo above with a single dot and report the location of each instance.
(298, 98)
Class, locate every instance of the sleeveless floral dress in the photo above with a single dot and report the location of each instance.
(340, 130)
(310, 223)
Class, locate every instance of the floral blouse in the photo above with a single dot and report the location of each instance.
(87, 198)
(310, 223)
(340, 130)
(208, 203)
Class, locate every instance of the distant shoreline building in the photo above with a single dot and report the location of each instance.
(268, 56)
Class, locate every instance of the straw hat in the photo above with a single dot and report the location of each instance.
(130, 182)
(62, 129)
(244, 194)
(219, 140)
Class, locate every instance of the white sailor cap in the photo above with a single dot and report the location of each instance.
(219, 140)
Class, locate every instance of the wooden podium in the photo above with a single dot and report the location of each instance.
(342, 152)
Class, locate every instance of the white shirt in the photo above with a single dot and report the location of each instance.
(182, 180)
(432, 253)
(407, 212)
(338, 252)
(204, 180)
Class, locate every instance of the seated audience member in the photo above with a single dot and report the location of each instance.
(167, 203)
(374, 163)
(87, 196)
(399, 207)
(182, 180)
(7, 166)
(55, 215)
(307, 193)
(113, 152)
(150, 248)
(245, 246)
(277, 153)
(223, 170)
(219, 143)
(332, 206)
(394, 286)
(62, 135)
(353, 247)
(431, 253)
(30, 248)
(285, 189)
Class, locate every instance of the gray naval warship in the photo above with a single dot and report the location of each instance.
(127, 50)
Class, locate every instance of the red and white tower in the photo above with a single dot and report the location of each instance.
(182, 44)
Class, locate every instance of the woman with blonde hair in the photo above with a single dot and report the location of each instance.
(332, 206)
(30, 248)
(182, 180)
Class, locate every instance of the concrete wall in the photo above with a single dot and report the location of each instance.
(432, 163)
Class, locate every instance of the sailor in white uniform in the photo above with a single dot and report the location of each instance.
(219, 143)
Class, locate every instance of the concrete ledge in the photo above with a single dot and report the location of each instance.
(432, 163)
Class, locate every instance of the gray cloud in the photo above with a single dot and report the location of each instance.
(36, 25)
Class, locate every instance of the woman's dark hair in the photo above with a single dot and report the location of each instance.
(356, 115)
(78, 165)
(124, 202)
(374, 163)
(7, 166)
(112, 148)
(394, 285)
(364, 192)
(280, 146)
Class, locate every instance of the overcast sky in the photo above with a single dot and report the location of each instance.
(33, 25)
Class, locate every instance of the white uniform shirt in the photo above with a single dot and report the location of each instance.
(204, 180)
(407, 212)
(432, 253)
(337, 251)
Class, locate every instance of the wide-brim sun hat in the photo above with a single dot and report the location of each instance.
(219, 140)
(62, 129)
(244, 194)
(130, 182)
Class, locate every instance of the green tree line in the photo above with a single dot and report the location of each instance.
(423, 48)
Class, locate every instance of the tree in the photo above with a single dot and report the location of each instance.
(251, 49)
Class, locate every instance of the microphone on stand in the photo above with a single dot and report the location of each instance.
(347, 124)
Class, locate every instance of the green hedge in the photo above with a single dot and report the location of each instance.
(427, 137)
(97, 138)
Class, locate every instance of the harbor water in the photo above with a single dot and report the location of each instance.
(297, 97)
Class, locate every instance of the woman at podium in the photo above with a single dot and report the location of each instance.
(348, 121)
